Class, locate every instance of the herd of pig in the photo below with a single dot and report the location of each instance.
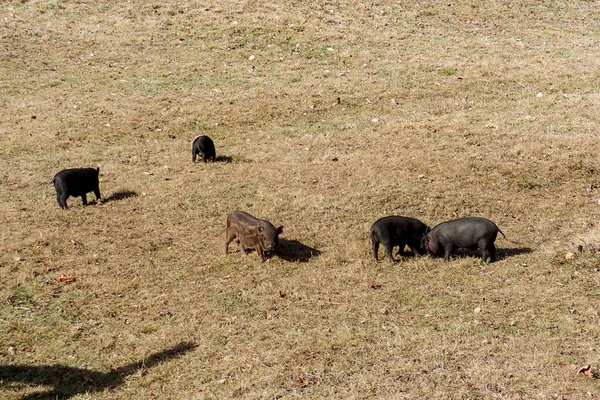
(473, 233)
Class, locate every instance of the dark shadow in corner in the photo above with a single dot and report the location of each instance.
(294, 251)
(120, 195)
(223, 159)
(68, 381)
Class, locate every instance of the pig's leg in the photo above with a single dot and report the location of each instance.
(228, 239)
(62, 200)
(388, 251)
(261, 253)
(84, 199)
(243, 249)
(485, 254)
(492, 251)
(493, 257)
(375, 249)
(448, 252)
(97, 194)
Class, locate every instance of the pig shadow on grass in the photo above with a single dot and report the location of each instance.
(223, 159)
(506, 253)
(120, 195)
(217, 159)
(67, 382)
(295, 251)
(501, 254)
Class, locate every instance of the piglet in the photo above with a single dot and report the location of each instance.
(398, 231)
(76, 182)
(252, 233)
(467, 233)
(205, 147)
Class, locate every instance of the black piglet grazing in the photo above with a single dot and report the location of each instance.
(76, 182)
(398, 231)
(464, 233)
(205, 147)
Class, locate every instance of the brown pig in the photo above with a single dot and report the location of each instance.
(252, 233)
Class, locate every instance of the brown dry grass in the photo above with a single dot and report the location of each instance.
(348, 111)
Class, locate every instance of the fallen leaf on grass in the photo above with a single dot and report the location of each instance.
(301, 383)
(374, 285)
(569, 256)
(66, 278)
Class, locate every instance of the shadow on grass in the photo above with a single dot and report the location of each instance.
(217, 159)
(294, 251)
(504, 253)
(501, 254)
(223, 159)
(120, 195)
(68, 381)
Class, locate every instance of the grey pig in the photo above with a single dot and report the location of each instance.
(468, 233)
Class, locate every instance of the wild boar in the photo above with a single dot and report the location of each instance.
(252, 233)
(76, 182)
(398, 231)
(205, 147)
(468, 233)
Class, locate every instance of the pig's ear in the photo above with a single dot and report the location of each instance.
(98, 170)
(280, 230)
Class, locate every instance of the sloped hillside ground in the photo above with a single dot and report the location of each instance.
(326, 116)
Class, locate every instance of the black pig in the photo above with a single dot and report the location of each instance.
(76, 182)
(252, 233)
(398, 231)
(467, 233)
(203, 146)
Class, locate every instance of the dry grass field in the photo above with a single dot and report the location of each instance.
(327, 116)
